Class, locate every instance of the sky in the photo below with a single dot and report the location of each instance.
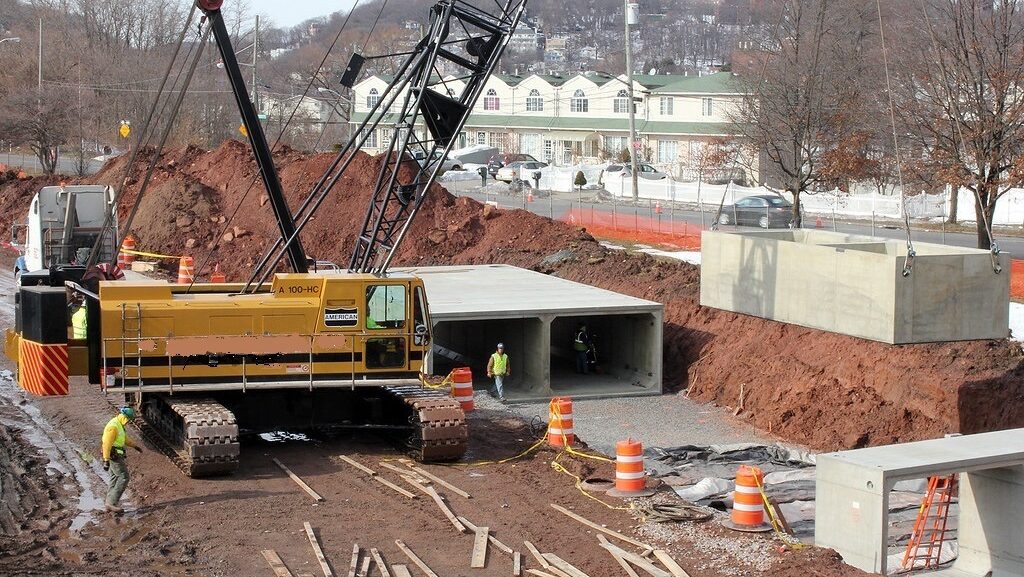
(288, 13)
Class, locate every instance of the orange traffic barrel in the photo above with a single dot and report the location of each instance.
(125, 259)
(630, 477)
(462, 387)
(560, 431)
(186, 270)
(216, 275)
(748, 505)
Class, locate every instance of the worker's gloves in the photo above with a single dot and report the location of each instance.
(106, 465)
(138, 448)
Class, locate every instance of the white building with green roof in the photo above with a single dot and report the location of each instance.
(585, 118)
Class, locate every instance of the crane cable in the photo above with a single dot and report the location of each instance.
(109, 215)
(280, 135)
(908, 265)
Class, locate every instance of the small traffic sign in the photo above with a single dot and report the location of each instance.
(124, 131)
(241, 128)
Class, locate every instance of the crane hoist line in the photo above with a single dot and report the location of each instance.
(285, 350)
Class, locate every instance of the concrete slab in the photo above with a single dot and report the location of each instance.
(535, 315)
(854, 285)
(853, 491)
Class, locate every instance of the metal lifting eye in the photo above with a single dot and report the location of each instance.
(909, 265)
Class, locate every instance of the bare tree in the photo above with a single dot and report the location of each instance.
(960, 82)
(804, 88)
(43, 122)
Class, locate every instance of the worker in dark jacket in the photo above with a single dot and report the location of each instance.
(582, 345)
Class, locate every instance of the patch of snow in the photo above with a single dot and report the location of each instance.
(690, 256)
(1017, 321)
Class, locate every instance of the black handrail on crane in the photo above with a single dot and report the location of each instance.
(257, 139)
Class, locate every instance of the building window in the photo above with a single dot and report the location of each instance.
(707, 107)
(579, 102)
(491, 100)
(614, 145)
(371, 140)
(667, 153)
(619, 105)
(667, 103)
(372, 98)
(531, 144)
(496, 140)
(481, 138)
(534, 102)
(549, 150)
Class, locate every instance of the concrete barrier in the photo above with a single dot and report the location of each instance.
(854, 285)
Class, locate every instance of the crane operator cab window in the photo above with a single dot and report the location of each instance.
(385, 311)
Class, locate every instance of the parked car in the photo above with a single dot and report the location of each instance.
(763, 210)
(499, 160)
(646, 171)
(448, 164)
(523, 169)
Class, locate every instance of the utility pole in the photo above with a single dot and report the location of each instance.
(39, 82)
(632, 16)
(255, 52)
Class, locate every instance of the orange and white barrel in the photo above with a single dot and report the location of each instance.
(462, 387)
(748, 505)
(560, 432)
(186, 270)
(217, 276)
(629, 466)
(125, 259)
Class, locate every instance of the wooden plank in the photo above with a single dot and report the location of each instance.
(354, 565)
(316, 496)
(319, 552)
(379, 560)
(358, 465)
(494, 540)
(414, 558)
(604, 530)
(670, 563)
(405, 472)
(539, 573)
(637, 560)
(564, 565)
(556, 571)
(479, 559)
(429, 490)
(364, 567)
(536, 554)
(782, 518)
(400, 570)
(517, 564)
(393, 486)
(622, 562)
(437, 480)
(276, 564)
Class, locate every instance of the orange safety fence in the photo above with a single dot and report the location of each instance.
(1017, 278)
(632, 227)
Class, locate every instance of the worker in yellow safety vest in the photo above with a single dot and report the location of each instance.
(114, 459)
(78, 323)
(498, 369)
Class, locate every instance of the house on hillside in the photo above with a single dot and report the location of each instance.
(584, 118)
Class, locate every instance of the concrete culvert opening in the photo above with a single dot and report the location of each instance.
(624, 358)
(936, 546)
(471, 343)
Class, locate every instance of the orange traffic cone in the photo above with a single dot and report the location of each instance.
(186, 270)
(818, 223)
(216, 275)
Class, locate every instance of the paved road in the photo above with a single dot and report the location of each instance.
(558, 204)
(65, 164)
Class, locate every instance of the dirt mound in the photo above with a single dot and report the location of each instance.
(825, 390)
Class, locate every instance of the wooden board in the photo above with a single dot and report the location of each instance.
(276, 564)
(604, 530)
(405, 472)
(357, 465)
(379, 560)
(354, 565)
(536, 554)
(364, 567)
(494, 540)
(479, 559)
(400, 570)
(317, 550)
(670, 563)
(564, 565)
(441, 504)
(539, 573)
(414, 558)
(393, 486)
(622, 562)
(636, 560)
(517, 564)
(438, 480)
(316, 496)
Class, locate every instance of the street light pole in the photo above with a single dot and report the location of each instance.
(255, 52)
(39, 83)
(632, 10)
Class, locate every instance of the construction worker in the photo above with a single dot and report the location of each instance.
(78, 320)
(582, 345)
(498, 368)
(114, 459)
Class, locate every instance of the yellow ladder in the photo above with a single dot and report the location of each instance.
(131, 351)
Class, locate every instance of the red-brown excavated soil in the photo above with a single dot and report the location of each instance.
(825, 390)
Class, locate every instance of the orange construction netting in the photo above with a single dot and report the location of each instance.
(631, 227)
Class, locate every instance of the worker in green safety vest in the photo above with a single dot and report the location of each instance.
(114, 459)
(498, 368)
(78, 323)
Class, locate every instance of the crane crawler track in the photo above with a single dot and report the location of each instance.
(199, 435)
(439, 423)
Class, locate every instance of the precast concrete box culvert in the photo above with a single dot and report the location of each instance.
(536, 317)
(855, 285)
